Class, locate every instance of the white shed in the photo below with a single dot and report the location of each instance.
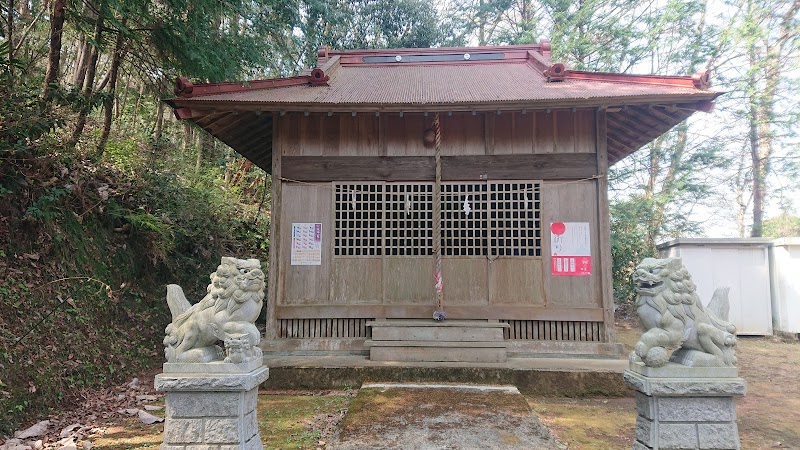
(741, 264)
(784, 261)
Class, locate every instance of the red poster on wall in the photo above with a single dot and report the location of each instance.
(570, 249)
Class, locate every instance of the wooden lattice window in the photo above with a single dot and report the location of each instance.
(478, 219)
(359, 220)
(515, 219)
(465, 210)
(409, 219)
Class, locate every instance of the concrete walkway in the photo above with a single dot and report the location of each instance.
(534, 376)
(441, 416)
(545, 364)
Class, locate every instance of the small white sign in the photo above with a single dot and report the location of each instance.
(306, 244)
(570, 249)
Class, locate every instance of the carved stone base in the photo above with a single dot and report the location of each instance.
(685, 412)
(211, 411)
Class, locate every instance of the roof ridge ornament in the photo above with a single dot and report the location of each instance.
(183, 87)
(702, 79)
(544, 44)
(556, 72)
(318, 77)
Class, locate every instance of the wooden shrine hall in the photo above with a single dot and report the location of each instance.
(521, 146)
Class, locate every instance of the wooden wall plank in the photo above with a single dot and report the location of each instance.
(408, 280)
(465, 281)
(288, 132)
(424, 311)
(544, 126)
(518, 281)
(367, 135)
(571, 202)
(503, 133)
(585, 136)
(473, 133)
(524, 127)
(395, 134)
(414, 126)
(565, 131)
(356, 281)
(310, 135)
(305, 203)
(331, 135)
(454, 141)
(454, 168)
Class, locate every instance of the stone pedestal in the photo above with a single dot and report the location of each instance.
(211, 406)
(682, 407)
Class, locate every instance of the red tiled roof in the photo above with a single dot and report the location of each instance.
(448, 86)
(512, 75)
(447, 79)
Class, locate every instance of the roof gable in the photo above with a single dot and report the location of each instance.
(505, 78)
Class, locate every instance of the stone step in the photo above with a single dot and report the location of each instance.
(442, 344)
(434, 323)
(460, 353)
(431, 341)
(432, 333)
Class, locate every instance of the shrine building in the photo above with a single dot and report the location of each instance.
(524, 146)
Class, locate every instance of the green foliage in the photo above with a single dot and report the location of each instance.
(124, 154)
(46, 206)
(381, 24)
(221, 41)
(784, 225)
(629, 246)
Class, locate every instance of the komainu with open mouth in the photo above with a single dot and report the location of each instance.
(674, 318)
(226, 314)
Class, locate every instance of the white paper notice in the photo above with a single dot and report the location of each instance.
(306, 244)
(571, 252)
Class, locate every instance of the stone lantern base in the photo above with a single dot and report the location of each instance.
(211, 406)
(682, 407)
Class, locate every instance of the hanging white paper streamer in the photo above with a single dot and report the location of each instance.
(352, 200)
(408, 205)
(467, 207)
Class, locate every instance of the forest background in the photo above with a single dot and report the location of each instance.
(105, 197)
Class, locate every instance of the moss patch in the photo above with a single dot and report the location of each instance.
(299, 421)
(588, 424)
(400, 417)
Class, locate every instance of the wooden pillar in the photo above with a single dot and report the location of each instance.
(274, 288)
(606, 279)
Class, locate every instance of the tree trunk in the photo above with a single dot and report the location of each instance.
(108, 117)
(741, 184)
(54, 53)
(159, 121)
(88, 84)
(135, 121)
(199, 160)
(187, 137)
(81, 62)
(124, 102)
(10, 40)
(228, 168)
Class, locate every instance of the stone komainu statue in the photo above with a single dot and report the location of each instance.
(227, 313)
(674, 318)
